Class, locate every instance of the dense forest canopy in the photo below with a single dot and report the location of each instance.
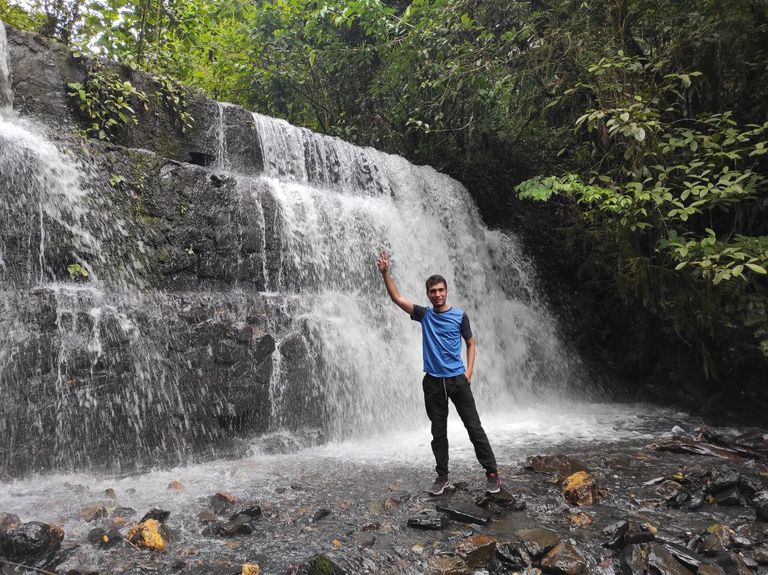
(641, 124)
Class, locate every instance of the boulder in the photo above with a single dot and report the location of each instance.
(477, 550)
(564, 559)
(580, 489)
(148, 534)
(465, 512)
(34, 543)
(537, 541)
(428, 519)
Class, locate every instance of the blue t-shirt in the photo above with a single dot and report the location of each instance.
(441, 334)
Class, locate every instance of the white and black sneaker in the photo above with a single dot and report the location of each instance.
(492, 483)
(439, 485)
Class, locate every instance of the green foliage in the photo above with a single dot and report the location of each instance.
(18, 17)
(77, 272)
(666, 205)
(172, 95)
(105, 101)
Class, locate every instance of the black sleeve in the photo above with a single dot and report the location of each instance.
(466, 330)
(418, 313)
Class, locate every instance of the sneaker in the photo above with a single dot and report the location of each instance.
(438, 486)
(492, 483)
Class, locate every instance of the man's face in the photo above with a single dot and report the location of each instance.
(437, 294)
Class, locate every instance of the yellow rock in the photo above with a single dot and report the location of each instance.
(147, 534)
(336, 543)
(580, 489)
(250, 569)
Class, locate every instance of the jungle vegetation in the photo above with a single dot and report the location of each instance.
(637, 130)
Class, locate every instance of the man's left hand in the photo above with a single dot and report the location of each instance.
(468, 375)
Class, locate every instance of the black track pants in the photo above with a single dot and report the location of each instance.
(437, 391)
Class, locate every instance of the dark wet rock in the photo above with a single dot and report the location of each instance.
(760, 554)
(251, 511)
(297, 487)
(559, 465)
(537, 541)
(717, 538)
(371, 526)
(643, 558)
(110, 493)
(318, 565)
(222, 503)
(580, 489)
(564, 559)
(721, 478)
(476, 550)
(428, 519)
(95, 535)
(9, 521)
(465, 512)
(686, 556)
(280, 490)
(729, 497)
(32, 543)
(124, 512)
(513, 554)
(579, 519)
(158, 515)
(761, 509)
(624, 533)
(733, 564)
(320, 514)
(503, 499)
(237, 525)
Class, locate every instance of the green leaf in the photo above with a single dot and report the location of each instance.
(757, 269)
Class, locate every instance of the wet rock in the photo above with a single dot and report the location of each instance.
(110, 493)
(729, 497)
(580, 519)
(148, 534)
(761, 509)
(710, 569)
(537, 541)
(513, 555)
(31, 543)
(207, 517)
(428, 519)
(503, 499)
(124, 512)
(624, 533)
(564, 559)
(371, 526)
(580, 489)
(297, 487)
(93, 512)
(721, 478)
(318, 565)
(94, 535)
(447, 566)
(222, 503)
(250, 569)
(650, 558)
(753, 489)
(111, 537)
(320, 514)
(465, 512)
(760, 554)
(237, 525)
(252, 511)
(686, 556)
(176, 486)
(9, 521)
(158, 515)
(559, 465)
(476, 550)
(716, 539)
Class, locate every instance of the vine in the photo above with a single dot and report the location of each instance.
(105, 100)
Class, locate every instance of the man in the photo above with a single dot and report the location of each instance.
(442, 329)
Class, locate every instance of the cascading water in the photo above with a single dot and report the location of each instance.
(272, 319)
(338, 204)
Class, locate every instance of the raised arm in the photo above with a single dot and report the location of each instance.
(383, 263)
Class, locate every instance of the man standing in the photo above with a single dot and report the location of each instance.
(442, 329)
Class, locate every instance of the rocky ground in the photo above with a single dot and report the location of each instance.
(692, 502)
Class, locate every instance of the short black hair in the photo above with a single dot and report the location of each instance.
(434, 280)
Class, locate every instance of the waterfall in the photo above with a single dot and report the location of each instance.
(223, 304)
(6, 92)
(338, 205)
